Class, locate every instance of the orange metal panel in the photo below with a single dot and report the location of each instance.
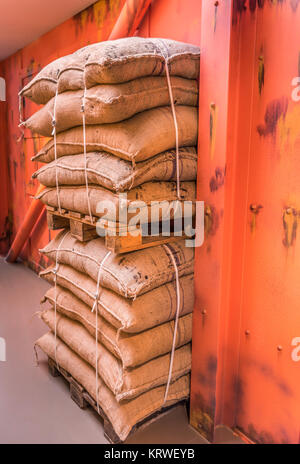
(212, 166)
(173, 19)
(245, 369)
(269, 378)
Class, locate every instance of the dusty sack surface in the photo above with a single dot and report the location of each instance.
(111, 103)
(136, 139)
(125, 314)
(134, 57)
(108, 205)
(132, 349)
(116, 174)
(113, 62)
(123, 416)
(124, 383)
(129, 274)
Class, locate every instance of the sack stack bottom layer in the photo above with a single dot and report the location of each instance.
(112, 318)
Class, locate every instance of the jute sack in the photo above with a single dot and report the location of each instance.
(151, 201)
(125, 314)
(124, 383)
(116, 174)
(113, 62)
(132, 349)
(136, 139)
(128, 274)
(123, 416)
(129, 58)
(44, 85)
(111, 103)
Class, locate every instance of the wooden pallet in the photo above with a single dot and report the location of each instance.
(117, 236)
(84, 400)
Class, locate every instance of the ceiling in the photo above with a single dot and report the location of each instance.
(22, 21)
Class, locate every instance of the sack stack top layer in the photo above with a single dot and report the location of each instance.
(113, 62)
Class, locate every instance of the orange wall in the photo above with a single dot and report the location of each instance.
(246, 372)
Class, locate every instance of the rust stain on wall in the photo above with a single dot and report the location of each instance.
(290, 224)
(217, 180)
(261, 73)
(211, 220)
(275, 110)
(213, 112)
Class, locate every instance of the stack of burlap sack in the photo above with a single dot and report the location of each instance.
(133, 296)
(121, 325)
(119, 91)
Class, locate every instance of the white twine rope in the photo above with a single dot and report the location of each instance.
(55, 148)
(55, 270)
(84, 151)
(170, 253)
(95, 308)
(166, 57)
(20, 109)
(21, 122)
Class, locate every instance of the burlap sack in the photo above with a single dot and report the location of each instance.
(116, 174)
(43, 86)
(124, 383)
(113, 62)
(111, 103)
(136, 139)
(155, 197)
(132, 349)
(123, 416)
(134, 57)
(128, 315)
(128, 274)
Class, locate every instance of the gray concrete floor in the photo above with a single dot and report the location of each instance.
(37, 408)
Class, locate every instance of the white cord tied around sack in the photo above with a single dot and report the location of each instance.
(166, 58)
(95, 308)
(21, 122)
(55, 270)
(178, 303)
(55, 148)
(84, 151)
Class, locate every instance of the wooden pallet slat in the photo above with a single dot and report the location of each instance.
(118, 237)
